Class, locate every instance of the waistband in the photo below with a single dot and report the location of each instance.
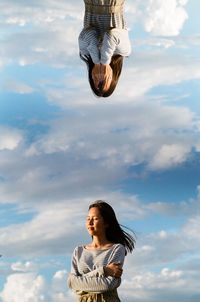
(103, 10)
(108, 296)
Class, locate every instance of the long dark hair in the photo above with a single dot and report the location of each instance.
(114, 231)
(116, 65)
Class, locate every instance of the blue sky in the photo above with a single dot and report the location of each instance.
(61, 148)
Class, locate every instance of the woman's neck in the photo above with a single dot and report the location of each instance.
(100, 243)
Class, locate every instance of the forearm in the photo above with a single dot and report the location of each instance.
(98, 272)
(108, 47)
(115, 41)
(93, 284)
(88, 44)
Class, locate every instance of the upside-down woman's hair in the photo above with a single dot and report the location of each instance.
(116, 65)
(114, 231)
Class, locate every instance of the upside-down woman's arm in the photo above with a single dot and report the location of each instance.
(89, 44)
(115, 41)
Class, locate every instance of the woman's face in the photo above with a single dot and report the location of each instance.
(102, 76)
(95, 223)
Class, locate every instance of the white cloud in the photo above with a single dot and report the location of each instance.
(48, 33)
(176, 209)
(60, 225)
(9, 138)
(169, 155)
(174, 284)
(163, 138)
(17, 87)
(33, 287)
(28, 287)
(35, 12)
(73, 158)
(37, 45)
(144, 71)
(53, 231)
(178, 283)
(164, 18)
(24, 267)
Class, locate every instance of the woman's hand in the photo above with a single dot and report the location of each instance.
(113, 270)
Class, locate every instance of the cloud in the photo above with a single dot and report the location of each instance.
(176, 209)
(169, 155)
(156, 68)
(166, 247)
(9, 138)
(176, 285)
(57, 228)
(164, 18)
(44, 33)
(33, 287)
(73, 158)
(37, 45)
(24, 267)
(28, 287)
(52, 232)
(143, 138)
(35, 12)
(17, 87)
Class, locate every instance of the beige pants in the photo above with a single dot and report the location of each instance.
(110, 296)
(104, 6)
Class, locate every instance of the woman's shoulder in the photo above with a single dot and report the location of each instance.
(78, 249)
(118, 251)
(118, 248)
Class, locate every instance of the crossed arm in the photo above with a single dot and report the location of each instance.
(114, 41)
(99, 280)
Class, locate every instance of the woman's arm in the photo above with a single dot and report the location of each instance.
(93, 284)
(115, 41)
(95, 281)
(89, 44)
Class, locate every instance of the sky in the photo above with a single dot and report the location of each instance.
(61, 148)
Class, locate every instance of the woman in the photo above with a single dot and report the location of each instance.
(103, 43)
(97, 267)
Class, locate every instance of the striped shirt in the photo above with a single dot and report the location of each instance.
(104, 35)
(114, 41)
(87, 269)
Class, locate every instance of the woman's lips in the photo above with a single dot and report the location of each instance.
(91, 228)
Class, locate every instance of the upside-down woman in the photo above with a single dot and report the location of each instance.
(103, 43)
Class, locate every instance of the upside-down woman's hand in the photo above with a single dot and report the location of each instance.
(113, 270)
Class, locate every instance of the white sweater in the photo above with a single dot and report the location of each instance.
(115, 41)
(87, 267)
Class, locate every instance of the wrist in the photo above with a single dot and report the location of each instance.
(105, 268)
